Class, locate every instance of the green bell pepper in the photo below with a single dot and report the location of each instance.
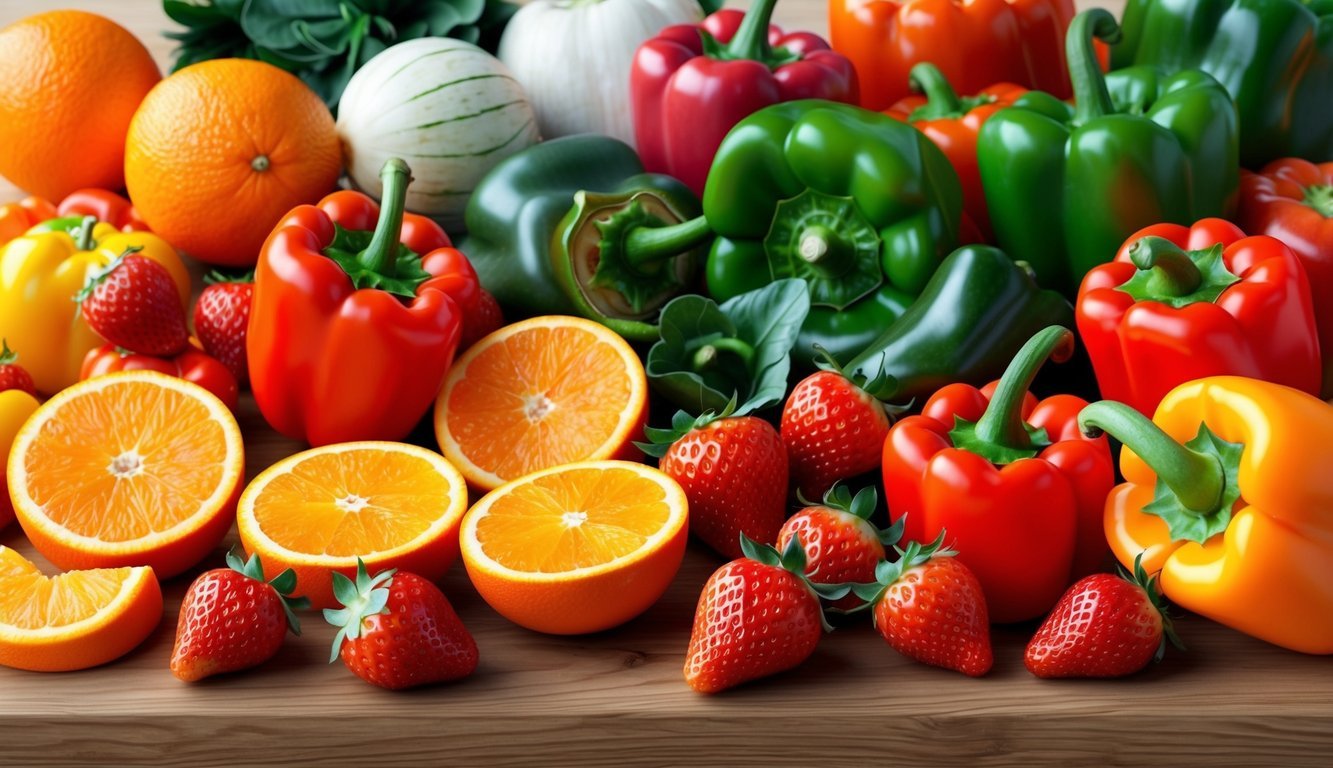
(861, 206)
(1066, 185)
(1274, 56)
(574, 226)
(973, 316)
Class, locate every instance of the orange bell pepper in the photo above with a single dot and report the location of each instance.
(1239, 519)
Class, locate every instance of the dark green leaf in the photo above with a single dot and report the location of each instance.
(769, 319)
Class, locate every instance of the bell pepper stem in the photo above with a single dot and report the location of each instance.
(1196, 478)
(7, 355)
(825, 249)
(381, 256)
(1002, 423)
(1091, 98)
(706, 356)
(83, 236)
(751, 40)
(1174, 273)
(650, 245)
(941, 98)
(1320, 198)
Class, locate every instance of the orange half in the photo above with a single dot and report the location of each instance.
(391, 504)
(75, 620)
(133, 468)
(540, 393)
(577, 548)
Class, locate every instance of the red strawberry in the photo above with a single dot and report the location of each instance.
(1103, 626)
(484, 319)
(231, 619)
(757, 616)
(833, 430)
(841, 545)
(734, 473)
(12, 375)
(133, 304)
(930, 608)
(397, 630)
(220, 318)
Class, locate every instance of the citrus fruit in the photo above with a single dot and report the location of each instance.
(131, 468)
(577, 548)
(75, 620)
(393, 505)
(540, 393)
(15, 408)
(220, 151)
(69, 83)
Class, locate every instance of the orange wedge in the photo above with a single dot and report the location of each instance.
(540, 393)
(393, 505)
(134, 468)
(578, 548)
(75, 620)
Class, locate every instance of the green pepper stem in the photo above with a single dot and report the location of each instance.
(381, 256)
(650, 245)
(941, 98)
(1174, 273)
(83, 236)
(825, 249)
(1195, 478)
(1320, 198)
(7, 355)
(1002, 423)
(751, 40)
(1091, 98)
(705, 357)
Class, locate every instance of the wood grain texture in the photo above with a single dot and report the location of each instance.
(618, 698)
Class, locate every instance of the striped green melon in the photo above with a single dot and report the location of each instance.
(448, 108)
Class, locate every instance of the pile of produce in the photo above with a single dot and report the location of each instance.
(650, 279)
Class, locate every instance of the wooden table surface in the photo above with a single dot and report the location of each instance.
(618, 698)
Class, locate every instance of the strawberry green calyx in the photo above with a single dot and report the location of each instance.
(284, 584)
(101, 275)
(7, 355)
(217, 277)
(1140, 578)
(360, 599)
(792, 559)
(661, 440)
(863, 506)
(882, 383)
(886, 573)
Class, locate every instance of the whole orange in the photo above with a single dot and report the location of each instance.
(220, 151)
(69, 84)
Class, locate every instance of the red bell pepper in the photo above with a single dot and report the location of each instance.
(692, 83)
(19, 217)
(953, 122)
(352, 331)
(1016, 484)
(193, 365)
(1292, 200)
(106, 206)
(1183, 303)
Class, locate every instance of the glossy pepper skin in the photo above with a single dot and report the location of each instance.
(353, 325)
(1274, 56)
(861, 206)
(1238, 517)
(1292, 200)
(975, 44)
(1017, 486)
(193, 365)
(1066, 185)
(953, 122)
(692, 83)
(1182, 303)
(565, 227)
(39, 275)
(17, 218)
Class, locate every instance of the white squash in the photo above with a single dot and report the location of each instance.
(573, 58)
(446, 107)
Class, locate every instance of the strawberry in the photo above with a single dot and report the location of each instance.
(734, 473)
(833, 430)
(930, 608)
(484, 319)
(757, 616)
(220, 318)
(841, 545)
(1103, 626)
(133, 304)
(231, 619)
(397, 630)
(12, 375)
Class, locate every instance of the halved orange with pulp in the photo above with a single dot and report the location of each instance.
(540, 393)
(577, 548)
(132, 468)
(75, 620)
(391, 504)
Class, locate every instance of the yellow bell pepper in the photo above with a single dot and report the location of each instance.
(41, 272)
(1238, 518)
(15, 408)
